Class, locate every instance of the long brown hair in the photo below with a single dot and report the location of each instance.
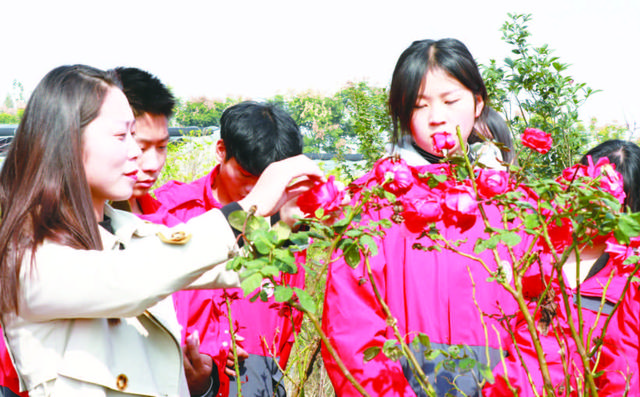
(44, 192)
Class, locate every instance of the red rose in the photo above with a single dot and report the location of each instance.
(443, 141)
(394, 175)
(492, 182)
(460, 206)
(323, 195)
(420, 212)
(537, 140)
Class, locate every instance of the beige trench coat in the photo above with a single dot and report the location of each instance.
(62, 342)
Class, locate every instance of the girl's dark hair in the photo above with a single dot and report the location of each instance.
(626, 156)
(449, 55)
(44, 192)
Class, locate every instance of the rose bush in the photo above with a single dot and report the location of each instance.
(550, 217)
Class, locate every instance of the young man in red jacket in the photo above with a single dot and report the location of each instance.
(152, 104)
(253, 135)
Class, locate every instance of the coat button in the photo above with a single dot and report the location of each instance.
(121, 382)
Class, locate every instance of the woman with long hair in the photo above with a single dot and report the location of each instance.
(83, 285)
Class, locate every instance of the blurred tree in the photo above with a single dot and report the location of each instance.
(320, 120)
(202, 112)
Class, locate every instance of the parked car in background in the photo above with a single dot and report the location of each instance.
(6, 136)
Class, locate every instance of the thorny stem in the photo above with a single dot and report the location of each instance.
(484, 325)
(574, 334)
(272, 353)
(331, 350)
(234, 349)
(603, 300)
(522, 361)
(421, 376)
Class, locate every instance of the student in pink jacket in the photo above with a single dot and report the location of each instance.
(436, 86)
(253, 135)
(601, 274)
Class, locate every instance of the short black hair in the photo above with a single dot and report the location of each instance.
(626, 156)
(145, 92)
(258, 134)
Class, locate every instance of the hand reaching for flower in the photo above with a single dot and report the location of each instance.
(274, 187)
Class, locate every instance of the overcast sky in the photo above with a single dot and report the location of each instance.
(256, 49)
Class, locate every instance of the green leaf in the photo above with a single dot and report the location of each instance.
(262, 242)
(354, 233)
(370, 243)
(454, 350)
(390, 197)
(285, 261)
(424, 340)
(236, 263)
(628, 226)
(306, 301)
(510, 238)
(490, 243)
(282, 231)
(255, 264)
(466, 364)
(256, 223)
(236, 219)
(371, 352)
(270, 270)
(300, 239)
(251, 283)
(486, 372)
(345, 244)
(352, 256)
(431, 355)
(282, 293)
(531, 221)
(391, 350)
